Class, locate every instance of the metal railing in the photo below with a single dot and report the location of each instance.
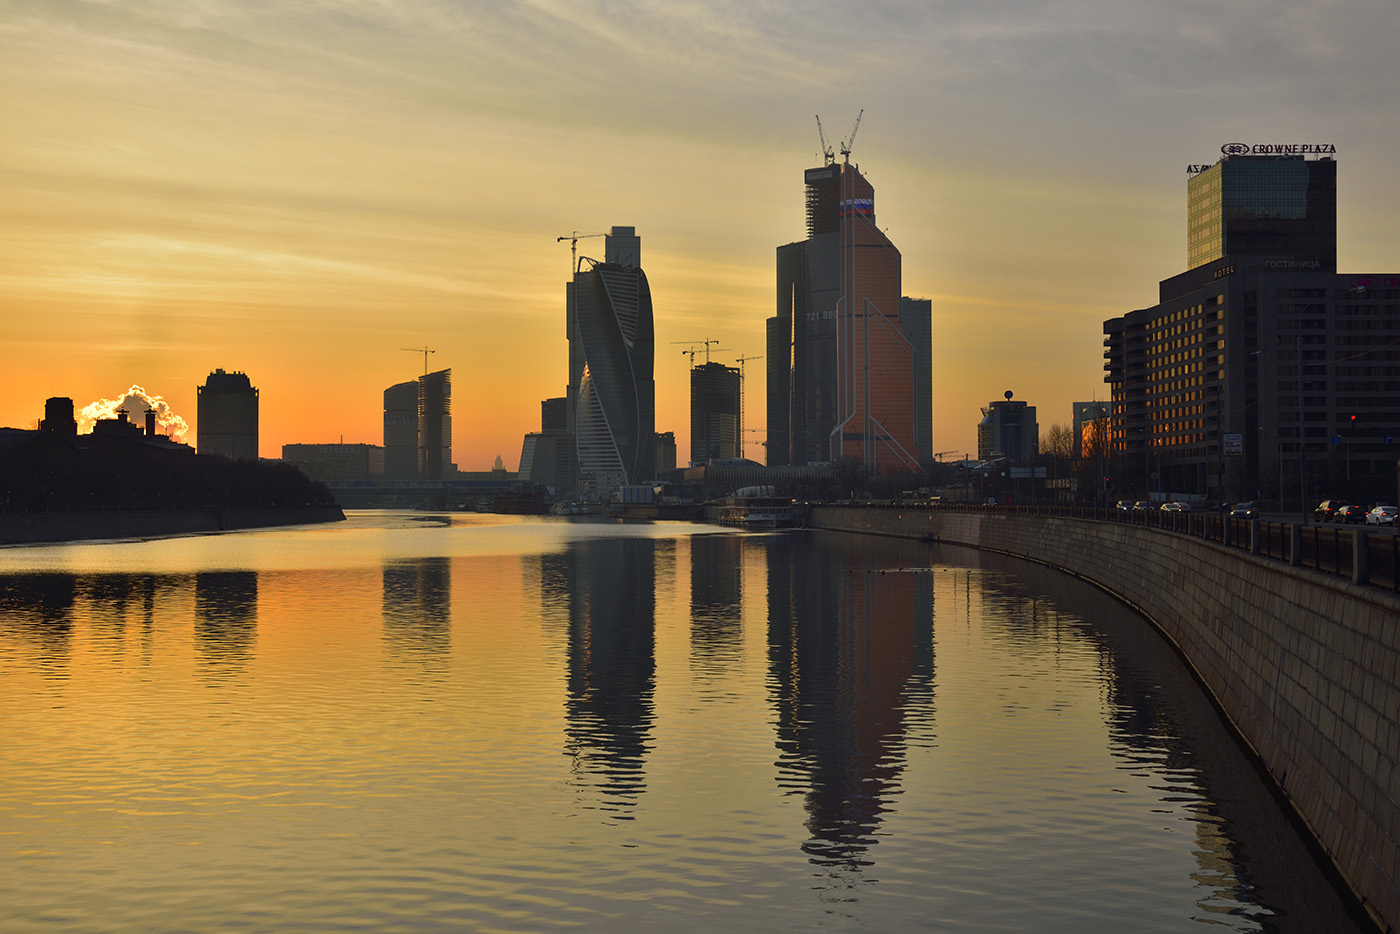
(1331, 549)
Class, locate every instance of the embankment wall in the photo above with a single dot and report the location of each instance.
(1305, 665)
(38, 528)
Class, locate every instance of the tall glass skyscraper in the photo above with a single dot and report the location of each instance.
(840, 368)
(1282, 208)
(612, 392)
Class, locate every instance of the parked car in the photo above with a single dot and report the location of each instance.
(1381, 515)
(1350, 513)
(1245, 511)
(1327, 509)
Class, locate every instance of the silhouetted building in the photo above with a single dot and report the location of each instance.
(714, 412)
(58, 417)
(401, 432)
(916, 322)
(336, 462)
(228, 416)
(554, 414)
(665, 452)
(840, 369)
(1261, 371)
(612, 395)
(1008, 429)
(435, 425)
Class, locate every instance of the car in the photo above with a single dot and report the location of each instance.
(1382, 515)
(1245, 511)
(1327, 509)
(1173, 507)
(1124, 505)
(1349, 513)
(1142, 505)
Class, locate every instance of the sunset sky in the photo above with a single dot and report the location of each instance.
(300, 190)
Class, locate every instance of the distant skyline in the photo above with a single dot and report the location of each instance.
(298, 193)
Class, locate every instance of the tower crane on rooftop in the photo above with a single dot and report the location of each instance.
(828, 156)
(741, 399)
(424, 351)
(692, 351)
(573, 239)
(849, 142)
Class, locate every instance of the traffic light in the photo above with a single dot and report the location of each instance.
(1108, 484)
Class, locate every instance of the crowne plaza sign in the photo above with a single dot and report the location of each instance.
(1267, 149)
(1279, 149)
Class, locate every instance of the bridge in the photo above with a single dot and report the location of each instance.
(1294, 631)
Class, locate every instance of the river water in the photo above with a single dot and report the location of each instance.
(420, 723)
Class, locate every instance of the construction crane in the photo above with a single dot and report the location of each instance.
(741, 400)
(424, 351)
(573, 239)
(941, 454)
(828, 156)
(692, 351)
(849, 142)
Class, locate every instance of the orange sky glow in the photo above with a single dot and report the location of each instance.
(298, 194)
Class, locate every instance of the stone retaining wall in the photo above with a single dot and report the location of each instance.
(1305, 665)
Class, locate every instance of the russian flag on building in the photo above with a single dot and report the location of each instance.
(858, 206)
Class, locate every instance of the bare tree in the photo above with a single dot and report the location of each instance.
(1059, 442)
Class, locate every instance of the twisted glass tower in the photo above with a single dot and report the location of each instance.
(612, 357)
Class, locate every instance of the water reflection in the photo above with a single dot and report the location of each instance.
(225, 622)
(611, 596)
(36, 610)
(716, 603)
(850, 658)
(417, 611)
(1164, 731)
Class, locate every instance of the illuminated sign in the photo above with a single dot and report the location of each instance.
(1279, 149)
(1234, 444)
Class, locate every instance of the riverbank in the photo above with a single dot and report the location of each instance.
(36, 528)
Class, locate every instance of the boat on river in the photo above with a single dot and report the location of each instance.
(757, 508)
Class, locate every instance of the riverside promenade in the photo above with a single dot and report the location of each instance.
(1294, 631)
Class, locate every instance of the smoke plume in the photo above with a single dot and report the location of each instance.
(137, 402)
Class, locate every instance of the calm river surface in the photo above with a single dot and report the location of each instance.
(422, 723)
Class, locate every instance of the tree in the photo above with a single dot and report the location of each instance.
(1059, 442)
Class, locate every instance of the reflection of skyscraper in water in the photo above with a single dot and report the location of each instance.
(225, 621)
(850, 650)
(716, 602)
(611, 666)
(418, 609)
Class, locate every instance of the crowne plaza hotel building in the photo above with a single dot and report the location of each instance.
(1262, 372)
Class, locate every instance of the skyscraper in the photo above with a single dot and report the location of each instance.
(435, 425)
(840, 369)
(714, 412)
(1284, 208)
(1261, 372)
(916, 323)
(612, 393)
(401, 432)
(228, 416)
